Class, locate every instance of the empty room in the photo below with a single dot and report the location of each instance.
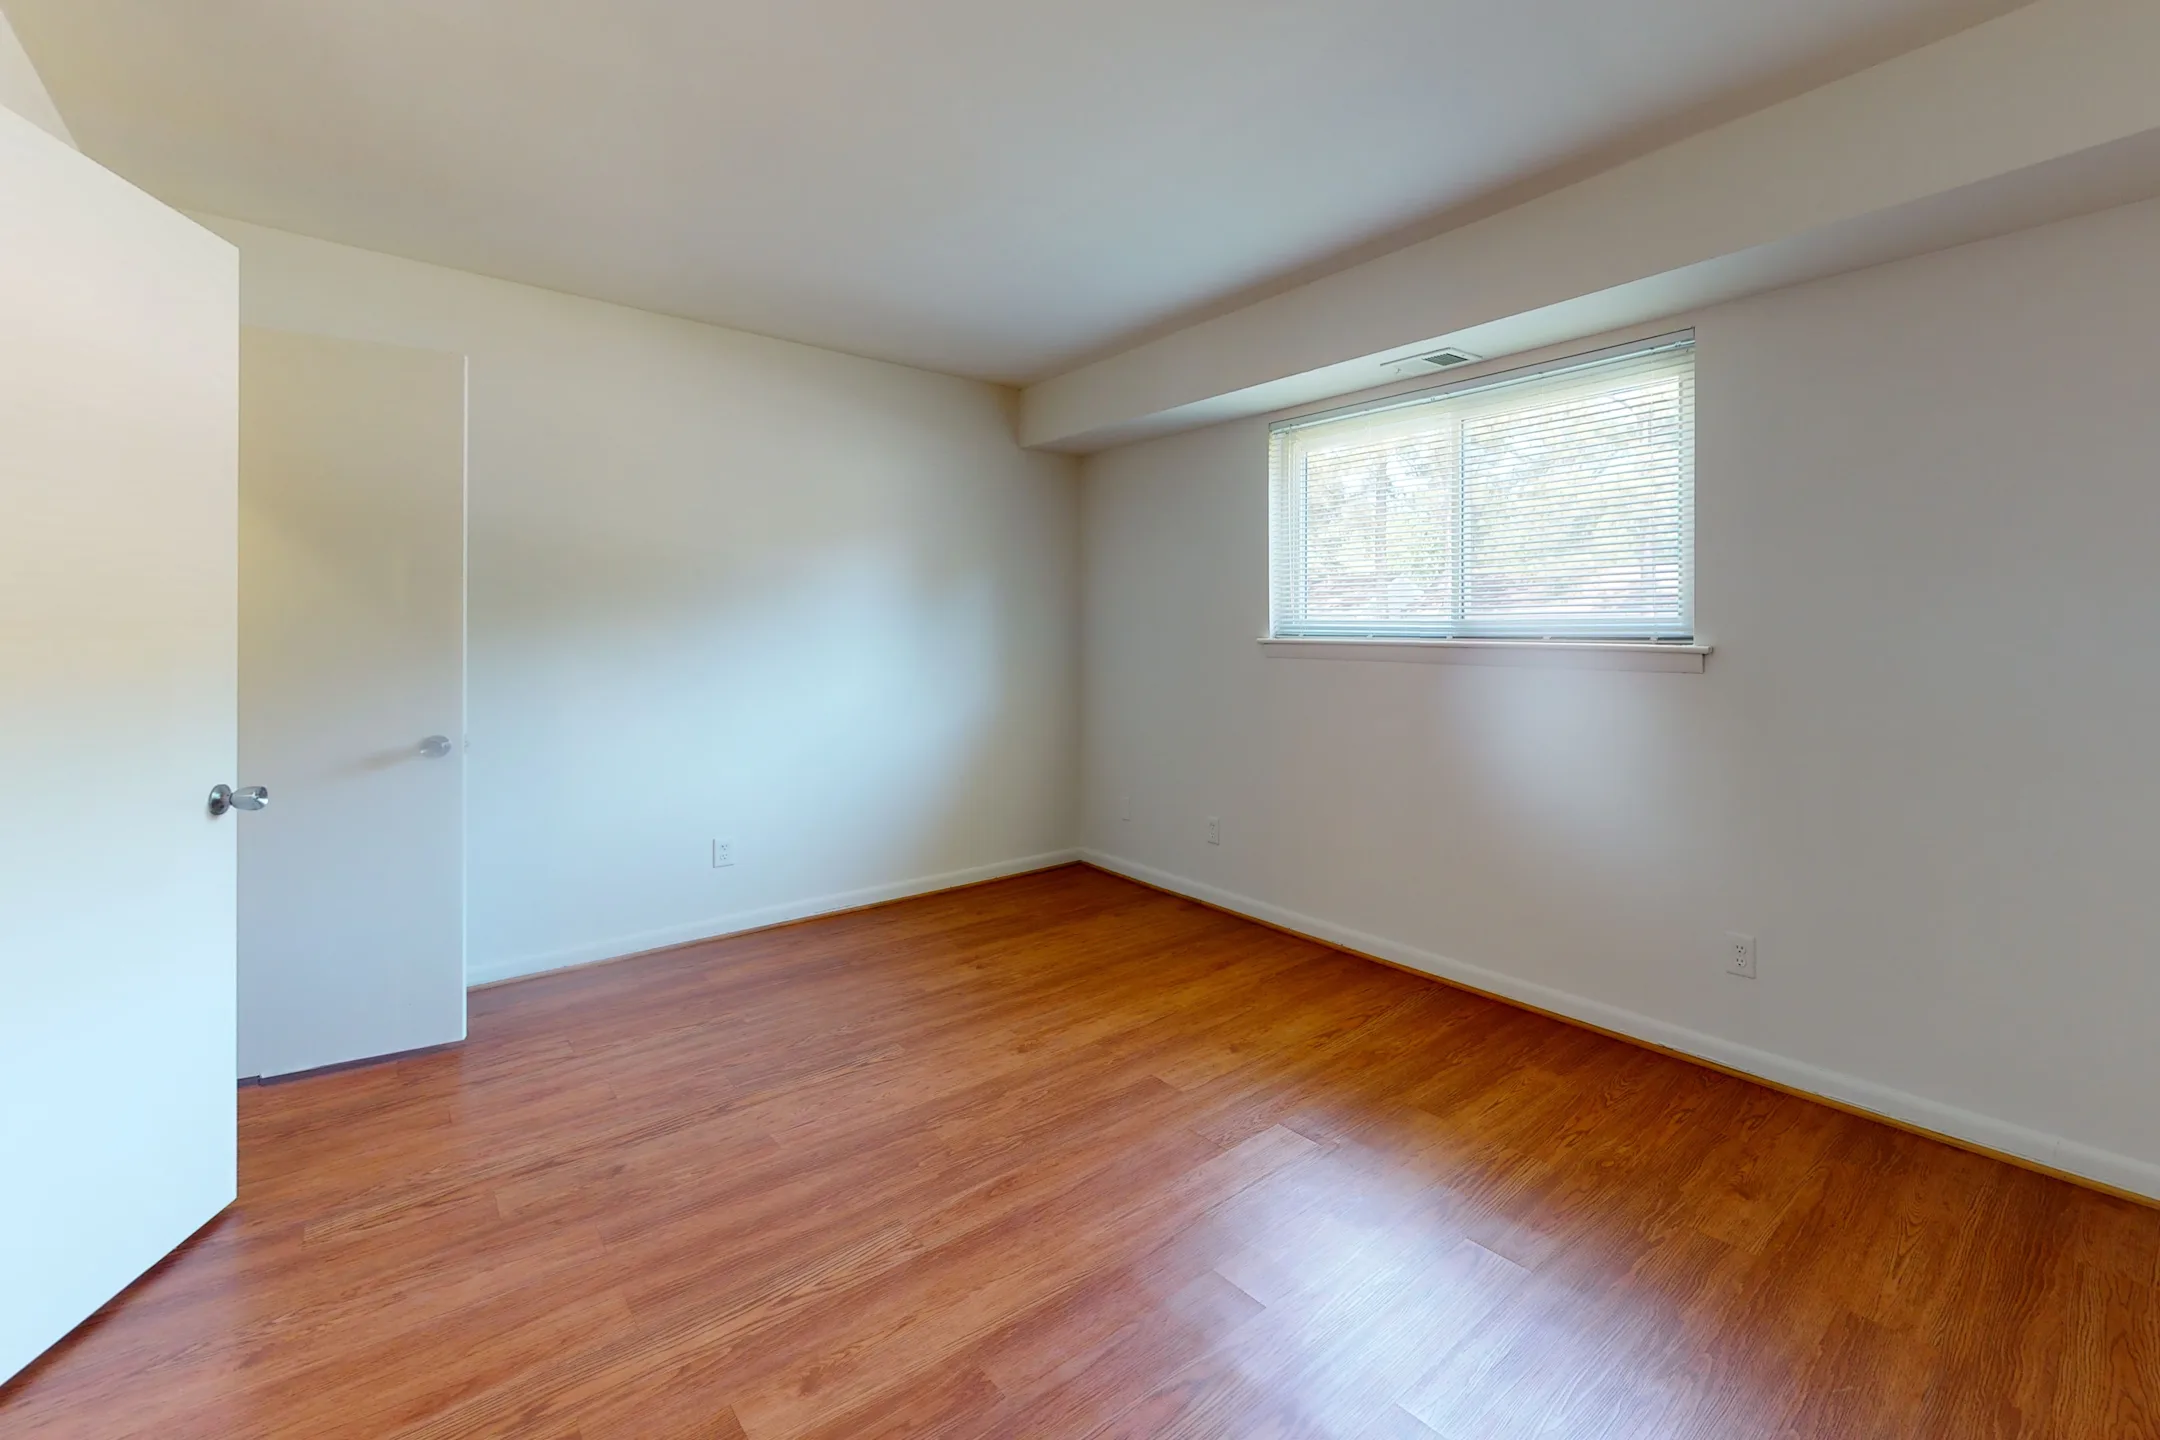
(816, 720)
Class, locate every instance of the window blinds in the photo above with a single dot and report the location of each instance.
(1555, 503)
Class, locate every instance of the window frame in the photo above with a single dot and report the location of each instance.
(1288, 578)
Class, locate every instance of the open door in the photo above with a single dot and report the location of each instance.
(352, 700)
(119, 337)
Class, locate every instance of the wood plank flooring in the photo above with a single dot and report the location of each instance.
(1062, 1156)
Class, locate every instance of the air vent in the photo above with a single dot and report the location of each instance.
(1447, 359)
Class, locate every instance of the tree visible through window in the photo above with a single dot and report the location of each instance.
(1556, 504)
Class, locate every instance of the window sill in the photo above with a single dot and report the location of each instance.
(1567, 654)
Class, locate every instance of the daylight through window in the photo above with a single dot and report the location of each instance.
(1554, 503)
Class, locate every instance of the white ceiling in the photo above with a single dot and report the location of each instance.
(989, 187)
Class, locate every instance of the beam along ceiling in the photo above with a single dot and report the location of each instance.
(993, 188)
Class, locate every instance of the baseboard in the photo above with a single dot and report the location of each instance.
(365, 1062)
(2069, 1159)
(624, 946)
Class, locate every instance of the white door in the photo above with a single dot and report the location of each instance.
(352, 700)
(119, 327)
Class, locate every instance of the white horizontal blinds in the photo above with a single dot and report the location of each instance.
(1379, 515)
(1576, 504)
(1558, 504)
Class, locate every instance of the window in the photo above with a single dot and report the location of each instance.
(1547, 504)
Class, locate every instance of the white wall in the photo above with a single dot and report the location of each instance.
(725, 587)
(23, 91)
(1921, 765)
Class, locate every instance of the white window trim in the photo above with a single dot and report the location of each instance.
(1673, 657)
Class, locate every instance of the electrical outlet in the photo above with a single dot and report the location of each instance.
(1124, 807)
(1214, 830)
(1740, 955)
(723, 854)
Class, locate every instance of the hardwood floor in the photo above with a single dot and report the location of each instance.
(1062, 1156)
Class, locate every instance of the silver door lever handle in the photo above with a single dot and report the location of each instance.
(435, 746)
(249, 797)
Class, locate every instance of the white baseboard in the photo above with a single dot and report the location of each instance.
(2105, 1167)
(517, 967)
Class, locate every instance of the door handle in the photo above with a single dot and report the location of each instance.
(249, 797)
(436, 746)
